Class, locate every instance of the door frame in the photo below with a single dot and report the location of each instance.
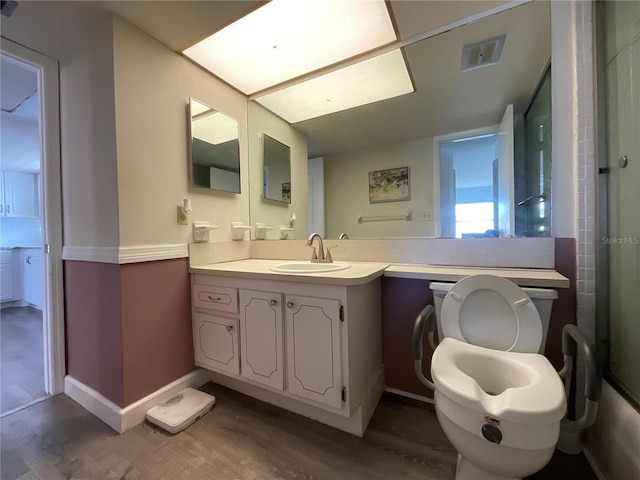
(468, 134)
(47, 72)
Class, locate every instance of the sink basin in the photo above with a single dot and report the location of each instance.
(308, 267)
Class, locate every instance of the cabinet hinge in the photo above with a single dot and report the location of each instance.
(341, 313)
(344, 394)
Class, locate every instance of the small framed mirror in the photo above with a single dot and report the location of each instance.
(276, 168)
(215, 149)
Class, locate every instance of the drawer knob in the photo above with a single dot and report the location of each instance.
(214, 299)
(273, 302)
(229, 328)
(290, 304)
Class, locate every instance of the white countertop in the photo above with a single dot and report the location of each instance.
(359, 273)
(364, 272)
(530, 277)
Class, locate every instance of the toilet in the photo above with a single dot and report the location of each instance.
(498, 400)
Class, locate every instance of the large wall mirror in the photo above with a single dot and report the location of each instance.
(215, 149)
(276, 170)
(463, 116)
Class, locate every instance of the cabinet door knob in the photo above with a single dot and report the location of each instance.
(229, 328)
(28, 260)
(290, 304)
(273, 302)
(8, 208)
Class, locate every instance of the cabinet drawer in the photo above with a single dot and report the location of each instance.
(216, 342)
(223, 299)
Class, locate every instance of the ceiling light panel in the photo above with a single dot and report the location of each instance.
(288, 38)
(372, 80)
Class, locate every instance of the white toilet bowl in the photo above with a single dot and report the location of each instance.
(500, 410)
(498, 401)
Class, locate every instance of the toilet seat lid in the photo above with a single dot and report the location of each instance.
(491, 312)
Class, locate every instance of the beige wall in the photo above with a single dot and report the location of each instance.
(88, 142)
(347, 190)
(271, 213)
(152, 90)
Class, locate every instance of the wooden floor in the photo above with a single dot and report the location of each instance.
(241, 438)
(22, 357)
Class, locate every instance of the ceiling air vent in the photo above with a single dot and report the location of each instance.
(482, 53)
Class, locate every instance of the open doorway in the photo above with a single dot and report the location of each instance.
(474, 181)
(31, 316)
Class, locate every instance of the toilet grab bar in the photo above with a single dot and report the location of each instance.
(426, 316)
(572, 339)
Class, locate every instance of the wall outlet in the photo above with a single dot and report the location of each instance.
(424, 216)
(182, 218)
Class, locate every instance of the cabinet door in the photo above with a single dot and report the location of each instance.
(32, 277)
(6, 282)
(20, 194)
(216, 342)
(313, 349)
(261, 337)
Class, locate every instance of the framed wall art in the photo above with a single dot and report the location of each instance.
(390, 185)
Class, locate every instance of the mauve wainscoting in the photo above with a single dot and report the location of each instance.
(128, 327)
(403, 299)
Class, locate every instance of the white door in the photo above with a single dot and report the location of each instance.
(506, 216)
(447, 195)
(261, 337)
(316, 195)
(50, 207)
(313, 349)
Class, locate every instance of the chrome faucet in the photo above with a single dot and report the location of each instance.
(318, 254)
(343, 236)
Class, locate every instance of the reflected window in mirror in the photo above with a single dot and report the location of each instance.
(215, 149)
(276, 179)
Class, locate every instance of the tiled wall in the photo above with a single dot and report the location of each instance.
(586, 168)
(20, 232)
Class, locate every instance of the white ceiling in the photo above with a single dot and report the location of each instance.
(19, 140)
(178, 24)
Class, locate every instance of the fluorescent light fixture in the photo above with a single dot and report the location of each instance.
(285, 39)
(214, 127)
(372, 80)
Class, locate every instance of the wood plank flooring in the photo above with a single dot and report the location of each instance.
(22, 357)
(241, 438)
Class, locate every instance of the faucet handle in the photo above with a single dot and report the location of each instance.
(314, 255)
(328, 255)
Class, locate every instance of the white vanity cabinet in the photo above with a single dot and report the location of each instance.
(311, 348)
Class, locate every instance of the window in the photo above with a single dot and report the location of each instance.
(474, 218)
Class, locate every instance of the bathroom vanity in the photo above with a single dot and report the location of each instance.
(310, 343)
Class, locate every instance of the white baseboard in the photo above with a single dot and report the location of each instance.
(122, 419)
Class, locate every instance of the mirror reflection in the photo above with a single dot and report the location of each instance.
(450, 104)
(215, 149)
(276, 170)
